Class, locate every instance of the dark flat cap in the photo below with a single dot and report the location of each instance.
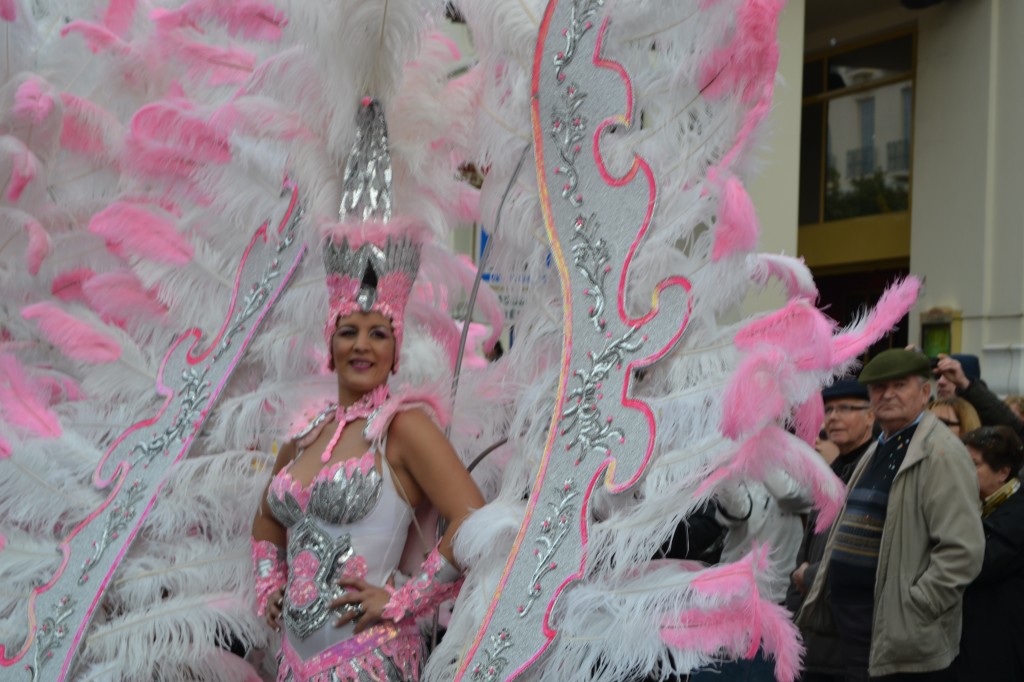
(847, 387)
(895, 363)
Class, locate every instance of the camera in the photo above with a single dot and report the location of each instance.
(933, 363)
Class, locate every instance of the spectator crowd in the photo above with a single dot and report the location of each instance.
(921, 575)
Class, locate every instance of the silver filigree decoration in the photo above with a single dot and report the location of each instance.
(195, 391)
(50, 634)
(495, 662)
(568, 129)
(117, 520)
(590, 256)
(553, 530)
(593, 431)
(579, 23)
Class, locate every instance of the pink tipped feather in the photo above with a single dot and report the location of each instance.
(5, 452)
(59, 390)
(773, 448)
(206, 63)
(142, 231)
(38, 246)
(754, 396)
(433, 400)
(97, 38)
(748, 62)
(171, 138)
(799, 330)
(739, 622)
(792, 272)
(119, 16)
(8, 10)
(87, 128)
(22, 403)
(896, 302)
(252, 19)
(117, 296)
(24, 166)
(76, 339)
(808, 419)
(34, 100)
(737, 227)
(68, 286)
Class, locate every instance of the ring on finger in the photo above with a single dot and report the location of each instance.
(359, 610)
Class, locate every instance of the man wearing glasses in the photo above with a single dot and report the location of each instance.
(908, 540)
(849, 424)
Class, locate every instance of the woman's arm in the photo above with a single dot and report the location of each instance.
(425, 467)
(430, 464)
(265, 526)
(268, 540)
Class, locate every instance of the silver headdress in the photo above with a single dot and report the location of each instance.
(371, 260)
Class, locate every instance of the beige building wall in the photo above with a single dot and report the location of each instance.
(967, 229)
(967, 202)
(775, 188)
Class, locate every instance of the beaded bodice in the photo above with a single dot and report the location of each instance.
(340, 494)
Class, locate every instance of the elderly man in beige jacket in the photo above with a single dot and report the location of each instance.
(908, 540)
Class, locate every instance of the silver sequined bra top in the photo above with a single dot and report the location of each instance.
(339, 495)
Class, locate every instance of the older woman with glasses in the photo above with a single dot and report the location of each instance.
(992, 644)
(957, 414)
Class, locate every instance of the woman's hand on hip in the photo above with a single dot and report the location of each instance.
(275, 603)
(365, 603)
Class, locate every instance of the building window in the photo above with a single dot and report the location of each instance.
(856, 132)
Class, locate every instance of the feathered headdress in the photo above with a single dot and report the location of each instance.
(371, 261)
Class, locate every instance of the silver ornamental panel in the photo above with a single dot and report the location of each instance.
(192, 376)
(599, 434)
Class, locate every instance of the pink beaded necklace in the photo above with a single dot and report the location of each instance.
(360, 409)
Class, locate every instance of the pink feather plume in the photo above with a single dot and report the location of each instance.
(434, 400)
(808, 418)
(896, 302)
(97, 38)
(792, 272)
(799, 330)
(754, 395)
(87, 127)
(117, 296)
(33, 100)
(140, 230)
(119, 16)
(38, 246)
(748, 62)
(737, 227)
(24, 166)
(252, 19)
(773, 448)
(8, 10)
(76, 339)
(60, 389)
(739, 622)
(206, 63)
(68, 286)
(171, 138)
(22, 402)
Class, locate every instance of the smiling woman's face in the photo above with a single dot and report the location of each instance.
(363, 349)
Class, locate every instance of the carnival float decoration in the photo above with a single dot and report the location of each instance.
(164, 168)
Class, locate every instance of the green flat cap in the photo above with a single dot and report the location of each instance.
(894, 364)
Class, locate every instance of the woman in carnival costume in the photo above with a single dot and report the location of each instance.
(333, 524)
